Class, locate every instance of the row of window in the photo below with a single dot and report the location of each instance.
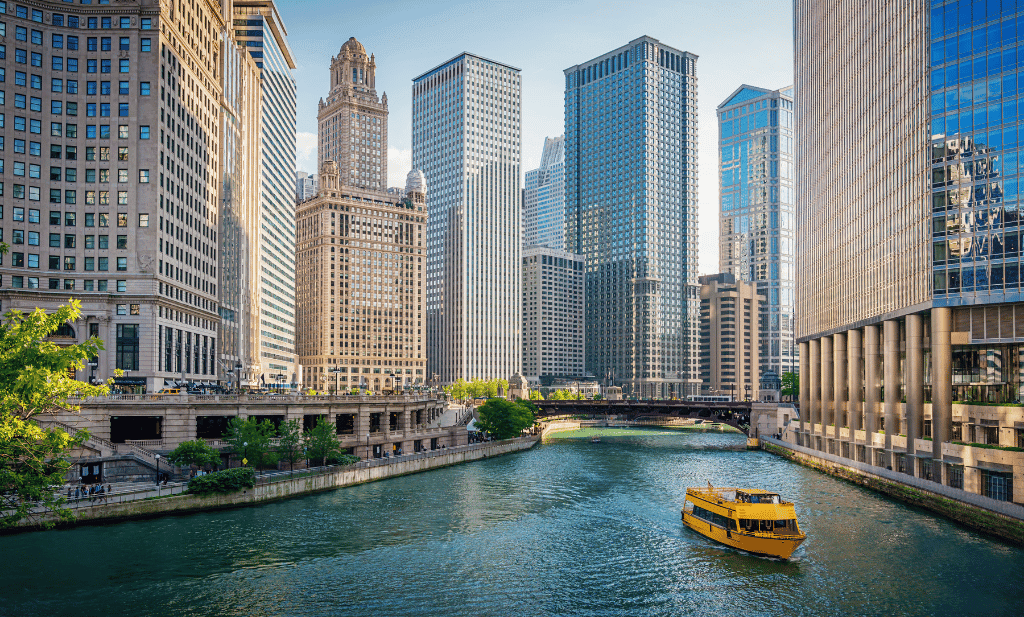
(70, 262)
(71, 218)
(32, 282)
(18, 236)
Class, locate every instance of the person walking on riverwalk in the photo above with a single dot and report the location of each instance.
(77, 493)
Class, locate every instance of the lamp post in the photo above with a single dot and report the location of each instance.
(393, 386)
(238, 377)
(158, 471)
(367, 445)
(93, 363)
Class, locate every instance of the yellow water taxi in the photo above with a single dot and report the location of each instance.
(752, 520)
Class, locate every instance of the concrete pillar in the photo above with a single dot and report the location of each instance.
(855, 383)
(805, 386)
(891, 351)
(872, 380)
(827, 385)
(839, 381)
(914, 380)
(942, 385)
(814, 381)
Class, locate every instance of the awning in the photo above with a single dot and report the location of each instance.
(168, 383)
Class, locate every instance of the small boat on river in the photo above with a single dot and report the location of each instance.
(595, 439)
(752, 520)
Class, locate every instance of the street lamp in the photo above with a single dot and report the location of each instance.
(93, 363)
(158, 470)
(393, 386)
(367, 446)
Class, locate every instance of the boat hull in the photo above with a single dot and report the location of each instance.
(781, 547)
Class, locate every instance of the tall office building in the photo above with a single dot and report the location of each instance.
(757, 225)
(552, 314)
(352, 124)
(466, 138)
(133, 190)
(258, 27)
(729, 334)
(631, 211)
(306, 185)
(908, 240)
(544, 198)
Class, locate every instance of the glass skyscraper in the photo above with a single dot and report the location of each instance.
(259, 27)
(544, 198)
(757, 225)
(631, 211)
(466, 139)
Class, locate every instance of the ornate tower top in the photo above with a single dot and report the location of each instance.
(352, 68)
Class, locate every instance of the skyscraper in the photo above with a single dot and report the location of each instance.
(352, 124)
(631, 211)
(757, 226)
(544, 198)
(306, 185)
(259, 28)
(908, 243)
(728, 337)
(552, 314)
(466, 139)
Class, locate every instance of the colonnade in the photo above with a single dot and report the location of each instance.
(855, 380)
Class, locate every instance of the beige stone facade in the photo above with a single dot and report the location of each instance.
(729, 335)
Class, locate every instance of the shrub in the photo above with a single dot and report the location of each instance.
(226, 481)
(343, 459)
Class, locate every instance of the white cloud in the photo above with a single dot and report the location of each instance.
(305, 152)
(399, 164)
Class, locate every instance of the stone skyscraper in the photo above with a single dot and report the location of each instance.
(631, 211)
(908, 237)
(352, 124)
(466, 139)
(757, 225)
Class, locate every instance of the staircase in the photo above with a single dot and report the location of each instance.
(108, 448)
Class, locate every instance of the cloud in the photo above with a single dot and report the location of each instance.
(305, 152)
(399, 164)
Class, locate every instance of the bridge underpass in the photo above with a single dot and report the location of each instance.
(735, 414)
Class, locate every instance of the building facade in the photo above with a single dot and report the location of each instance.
(908, 278)
(352, 123)
(466, 139)
(631, 211)
(259, 29)
(306, 185)
(552, 314)
(359, 284)
(544, 198)
(757, 223)
(133, 110)
(729, 337)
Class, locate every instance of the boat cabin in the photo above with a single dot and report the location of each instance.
(766, 498)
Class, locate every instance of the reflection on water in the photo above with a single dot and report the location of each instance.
(568, 528)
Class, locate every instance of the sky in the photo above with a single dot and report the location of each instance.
(738, 42)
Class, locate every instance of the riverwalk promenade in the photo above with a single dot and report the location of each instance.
(148, 500)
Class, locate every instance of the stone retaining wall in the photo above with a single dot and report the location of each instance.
(1002, 519)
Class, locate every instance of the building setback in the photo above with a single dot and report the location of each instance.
(908, 257)
(729, 334)
(757, 225)
(466, 139)
(134, 187)
(552, 314)
(631, 211)
(259, 28)
(544, 198)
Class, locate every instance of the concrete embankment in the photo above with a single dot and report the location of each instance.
(557, 426)
(998, 518)
(283, 488)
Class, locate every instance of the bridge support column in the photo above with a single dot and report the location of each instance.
(891, 384)
(872, 382)
(828, 390)
(942, 385)
(914, 383)
(855, 387)
(805, 386)
(814, 389)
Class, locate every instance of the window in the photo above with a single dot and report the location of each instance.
(20, 78)
(146, 23)
(72, 108)
(56, 40)
(143, 221)
(33, 238)
(18, 259)
(69, 263)
(90, 221)
(73, 40)
(90, 242)
(69, 219)
(72, 130)
(90, 176)
(104, 66)
(18, 236)
(70, 197)
(56, 85)
(69, 241)
(122, 175)
(127, 345)
(91, 65)
(101, 285)
(122, 264)
(124, 65)
(122, 287)
(90, 196)
(90, 87)
(54, 217)
(144, 132)
(122, 153)
(104, 131)
(33, 262)
(56, 108)
(144, 88)
(125, 43)
(105, 88)
(146, 44)
(126, 22)
(57, 63)
(122, 242)
(104, 242)
(105, 43)
(143, 176)
(122, 217)
(104, 153)
(33, 215)
(102, 263)
(123, 87)
(105, 110)
(34, 171)
(122, 109)
(104, 222)
(36, 82)
(72, 65)
(90, 264)
(37, 59)
(71, 153)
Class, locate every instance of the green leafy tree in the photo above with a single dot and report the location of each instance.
(36, 381)
(250, 440)
(559, 395)
(535, 395)
(195, 452)
(504, 419)
(322, 441)
(598, 397)
(790, 384)
(289, 447)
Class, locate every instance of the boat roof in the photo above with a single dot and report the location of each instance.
(745, 491)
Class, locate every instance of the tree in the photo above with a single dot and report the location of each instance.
(36, 380)
(598, 397)
(289, 448)
(559, 395)
(535, 395)
(322, 441)
(195, 452)
(504, 419)
(250, 440)
(790, 384)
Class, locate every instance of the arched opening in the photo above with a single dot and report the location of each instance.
(64, 331)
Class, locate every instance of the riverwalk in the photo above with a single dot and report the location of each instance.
(157, 500)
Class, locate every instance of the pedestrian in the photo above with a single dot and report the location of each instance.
(77, 493)
(69, 492)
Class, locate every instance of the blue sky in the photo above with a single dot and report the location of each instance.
(741, 41)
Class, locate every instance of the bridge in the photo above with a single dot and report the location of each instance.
(733, 413)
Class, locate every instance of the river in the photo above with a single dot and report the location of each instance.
(567, 528)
